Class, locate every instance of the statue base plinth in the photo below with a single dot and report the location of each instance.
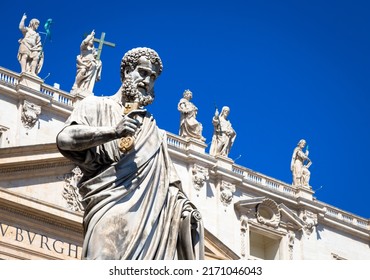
(305, 192)
(31, 81)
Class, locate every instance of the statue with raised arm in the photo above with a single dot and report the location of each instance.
(223, 134)
(88, 66)
(30, 54)
(299, 165)
(135, 208)
(189, 126)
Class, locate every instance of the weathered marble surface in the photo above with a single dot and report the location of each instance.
(134, 204)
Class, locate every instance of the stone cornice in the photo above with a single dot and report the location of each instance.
(39, 148)
(41, 211)
(42, 157)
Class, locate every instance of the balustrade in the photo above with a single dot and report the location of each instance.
(8, 77)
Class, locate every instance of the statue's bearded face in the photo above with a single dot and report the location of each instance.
(138, 84)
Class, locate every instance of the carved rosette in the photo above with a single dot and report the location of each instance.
(70, 192)
(268, 213)
(200, 175)
(30, 114)
(227, 190)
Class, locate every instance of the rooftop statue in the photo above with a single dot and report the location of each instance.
(88, 66)
(299, 165)
(223, 134)
(30, 54)
(134, 204)
(189, 126)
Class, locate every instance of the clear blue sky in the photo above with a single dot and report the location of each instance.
(287, 70)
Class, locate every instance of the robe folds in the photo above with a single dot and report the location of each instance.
(134, 204)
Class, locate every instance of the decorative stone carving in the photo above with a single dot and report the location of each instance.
(244, 236)
(291, 238)
(70, 192)
(227, 191)
(299, 165)
(268, 213)
(30, 113)
(223, 134)
(189, 126)
(310, 221)
(200, 175)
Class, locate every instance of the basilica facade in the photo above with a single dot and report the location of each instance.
(246, 214)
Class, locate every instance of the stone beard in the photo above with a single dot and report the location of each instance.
(131, 93)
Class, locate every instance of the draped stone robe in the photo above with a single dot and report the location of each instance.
(223, 137)
(134, 204)
(189, 126)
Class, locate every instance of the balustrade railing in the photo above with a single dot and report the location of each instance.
(175, 141)
(12, 78)
(47, 91)
(57, 94)
(8, 77)
(238, 170)
(265, 181)
(347, 217)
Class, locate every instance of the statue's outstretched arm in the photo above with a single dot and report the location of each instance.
(82, 137)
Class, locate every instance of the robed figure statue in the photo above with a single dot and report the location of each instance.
(189, 126)
(135, 208)
(299, 165)
(223, 133)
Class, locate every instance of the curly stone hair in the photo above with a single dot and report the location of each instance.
(33, 22)
(131, 58)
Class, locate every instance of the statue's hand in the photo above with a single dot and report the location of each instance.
(127, 126)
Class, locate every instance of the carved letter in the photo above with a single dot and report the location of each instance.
(2, 230)
(61, 247)
(46, 242)
(29, 237)
(74, 250)
(19, 233)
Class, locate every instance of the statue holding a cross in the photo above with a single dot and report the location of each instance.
(89, 64)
